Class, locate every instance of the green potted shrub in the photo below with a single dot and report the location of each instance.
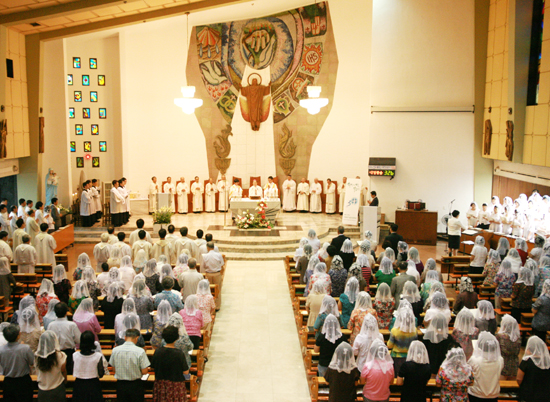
(162, 218)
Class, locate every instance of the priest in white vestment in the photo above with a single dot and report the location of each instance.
(222, 191)
(342, 193)
(315, 202)
(236, 191)
(5, 249)
(93, 209)
(25, 256)
(116, 203)
(45, 245)
(97, 199)
(270, 189)
(289, 194)
(255, 190)
(197, 190)
(85, 207)
(31, 226)
(330, 207)
(210, 196)
(169, 188)
(182, 189)
(303, 196)
(161, 247)
(102, 251)
(153, 190)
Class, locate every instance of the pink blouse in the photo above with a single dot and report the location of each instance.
(193, 323)
(90, 325)
(206, 304)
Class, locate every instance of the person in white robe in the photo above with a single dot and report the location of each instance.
(161, 247)
(5, 249)
(19, 233)
(85, 205)
(315, 202)
(169, 188)
(182, 189)
(116, 202)
(21, 210)
(472, 215)
(134, 236)
(303, 196)
(153, 191)
(210, 196)
(342, 195)
(102, 251)
(142, 244)
(330, 206)
(255, 190)
(185, 243)
(31, 226)
(4, 219)
(270, 189)
(125, 249)
(289, 194)
(197, 189)
(13, 220)
(93, 206)
(39, 215)
(25, 256)
(223, 186)
(45, 245)
(97, 199)
(28, 207)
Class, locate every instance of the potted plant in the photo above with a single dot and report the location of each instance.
(161, 218)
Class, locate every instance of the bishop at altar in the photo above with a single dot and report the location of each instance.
(182, 189)
(315, 202)
(169, 188)
(255, 190)
(303, 196)
(210, 193)
(289, 194)
(222, 191)
(197, 190)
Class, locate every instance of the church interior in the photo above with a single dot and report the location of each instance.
(425, 108)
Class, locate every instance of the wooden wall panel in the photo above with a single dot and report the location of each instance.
(504, 186)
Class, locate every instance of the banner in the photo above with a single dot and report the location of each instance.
(351, 202)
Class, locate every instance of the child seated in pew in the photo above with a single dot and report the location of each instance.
(86, 386)
(346, 301)
(314, 302)
(192, 318)
(329, 338)
(363, 306)
(414, 374)
(378, 373)
(361, 345)
(509, 340)
(465, 331)
(341, 375)
(485, 320)
(454, 377)
(384, 304)
(328, 306)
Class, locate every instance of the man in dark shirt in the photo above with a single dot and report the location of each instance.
(339, 240)
(374, 201)
(394, 237)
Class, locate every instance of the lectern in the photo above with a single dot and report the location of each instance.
(370, 220)
(163, 200)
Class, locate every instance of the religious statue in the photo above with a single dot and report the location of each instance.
(222, 146)
(255, 108)
(487, 134)
(509, 139)
(51, 186)
(3, 138)
(287, 149)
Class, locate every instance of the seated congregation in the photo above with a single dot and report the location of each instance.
(385, 323)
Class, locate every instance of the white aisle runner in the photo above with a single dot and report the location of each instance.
(255, 352)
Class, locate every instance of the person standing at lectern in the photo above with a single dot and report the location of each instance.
(373, 202)
(197, 189)
(455, 226)
(289, 195)
(255, 190)
(153, 190)
(169, 188)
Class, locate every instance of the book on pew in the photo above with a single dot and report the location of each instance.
(144, 377)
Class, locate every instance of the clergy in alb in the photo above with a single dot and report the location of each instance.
(85, 205)
(116, 203)
(197, 189)
(183, 190)
(169, 188)
(330, 207)
(255, 190)
(303, 196)
(289, 194)
(153, 191)
(210, 196)
(270, 190)
(32, 228)
(342, 194)
(45, 245)
(315, 202)
(236, 191)
(25, 256)
(222, 191)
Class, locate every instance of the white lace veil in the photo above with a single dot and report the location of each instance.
(465, 322)
(28, 320)
(537, 351)
(438, 329)
(347, 246)
(203, 288)
(46, 287)
(526, 277)
(329, 306)
(85, 311)
(487, 347)
(485, 310)
(164, 312)
(351, 289)
(510, 327)
(455, 366)
(191, 305)
(417, 353)
(383, 293)
(59, 274)
(410, 292)
(379, 356)
(331, 328)
(47, 344)
(80, 290)
(363, 301)
(386, 265)
(343, 359)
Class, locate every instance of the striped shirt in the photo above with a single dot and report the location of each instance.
(128, 361)
(400, 341)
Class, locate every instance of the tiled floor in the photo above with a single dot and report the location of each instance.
(255, 352)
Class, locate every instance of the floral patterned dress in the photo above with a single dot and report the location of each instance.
(206, 304)
(144, 306)
(356, 322)
(156, 338)
(338, 278)
(384, 311)
(465, 341)
(325, 278)
(510, 352)
(453, 391)
(490, 271)
(504, 285)
(544, 275)
(151, 282)
(42, 305)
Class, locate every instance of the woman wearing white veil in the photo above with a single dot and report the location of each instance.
(50, 315)
(534, 371)
(140, 259)
(385, 273)
(62, 286)
(314, 242)
(522, 293)
(346, 253)
(127, 272)
(207, 304)
(327, 342)
(369, 333)
(436, 339)
(509, 339)
(487, 364)
(411, 270)
(79, 293)
(115, 257)
(346, 302)
(130, 321)
(454, 377)
(51, 368)
(384, 304)
(152, 277)
(85, 318)
(378, 373)
(192, 318)
(314, 301)
(300, 250)
(160, 319)
(402, 334)
(43, 297)
(414, 374)
(363, 306)
(128, 307)
(182, 264)
(82, 262)
(485, 320)
(439, 304)
(143, 302)
(320, 275)
(29, 327)
(465, 331)
(341, 375)
(183, 343)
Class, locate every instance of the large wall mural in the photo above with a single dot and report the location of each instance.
(257, 68)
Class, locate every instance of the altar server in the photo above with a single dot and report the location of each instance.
(255, 190)
(125, 193)
(116, 203)
(303, 196)
(31, 226)
(210, 191)
(183, 202)
(222, 186)
(45, 245)
(169, 188)
(21, 210)
(39, 213)
(342, 194)
(316, 191)
(85, 207)
(270, 189)
(93, 209)
(25, 256)
(197, 189)
(153, 191)
(289, 194)
(331, 197)
(97, 199)
(236, 191)
(4, 219)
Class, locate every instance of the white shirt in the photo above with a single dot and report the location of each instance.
(213, 262)
(5, 250)
(67, 333)
(134, 236)
(480, 254)
(454, 227)
(486, 377)
(85, 367)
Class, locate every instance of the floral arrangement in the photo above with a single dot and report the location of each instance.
(162, 215)
(62, 209)
(249, 221)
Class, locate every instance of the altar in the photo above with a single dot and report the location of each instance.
(240, 205)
